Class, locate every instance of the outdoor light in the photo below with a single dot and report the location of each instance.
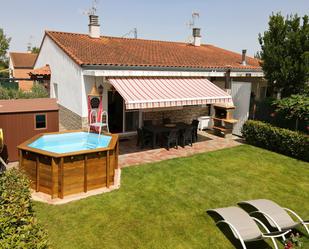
(100, 89)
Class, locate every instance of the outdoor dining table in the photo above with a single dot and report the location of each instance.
(156, 130)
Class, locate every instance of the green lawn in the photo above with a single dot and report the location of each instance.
(162, 205)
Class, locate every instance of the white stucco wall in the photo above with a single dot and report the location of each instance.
(65, 73)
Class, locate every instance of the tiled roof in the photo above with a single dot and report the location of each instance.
(115, 51)
(40, 71)
(23, 60)
(28, 105)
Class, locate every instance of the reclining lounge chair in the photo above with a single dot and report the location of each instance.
(278, 217)
(244, 227)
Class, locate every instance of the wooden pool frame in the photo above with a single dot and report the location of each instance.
(60, 175)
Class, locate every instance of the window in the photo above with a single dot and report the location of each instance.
(40, 121)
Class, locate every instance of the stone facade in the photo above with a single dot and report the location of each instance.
(184, 114)
(69, 120)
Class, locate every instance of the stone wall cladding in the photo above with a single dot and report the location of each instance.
(185, 114)
(69, 120)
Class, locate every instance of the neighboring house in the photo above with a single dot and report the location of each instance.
(145, 79)
(42, 76)
(20, 64)
(21, 119)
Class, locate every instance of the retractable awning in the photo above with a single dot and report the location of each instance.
(144, 93)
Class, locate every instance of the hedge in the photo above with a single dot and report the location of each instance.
(18, 225)
(277, 139)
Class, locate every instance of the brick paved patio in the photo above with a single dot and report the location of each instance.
(131, 155)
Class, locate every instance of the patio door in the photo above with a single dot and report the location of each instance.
(115, 112)
(241, 92)
(131, 120)
(121, 120)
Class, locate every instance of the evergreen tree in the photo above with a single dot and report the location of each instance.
(285, 54)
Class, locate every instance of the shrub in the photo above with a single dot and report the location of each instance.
(277, 139)
(37, 91)
(18, 225)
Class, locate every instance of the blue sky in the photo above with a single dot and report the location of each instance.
(230, 24)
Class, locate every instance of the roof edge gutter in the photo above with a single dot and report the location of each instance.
(173, 69)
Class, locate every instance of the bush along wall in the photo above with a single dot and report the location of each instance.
(277, 139)
(18, 225)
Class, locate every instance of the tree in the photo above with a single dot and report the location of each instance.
(285, 54)
(35, 50)
(4, 46)
(294, 107)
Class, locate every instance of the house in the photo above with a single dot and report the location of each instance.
(21, 119)
(20, 64)
(41, 76)
(145, 79)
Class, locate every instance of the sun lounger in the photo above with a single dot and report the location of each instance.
(278, 217)
(243, 226)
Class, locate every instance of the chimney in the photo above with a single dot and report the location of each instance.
(197, 37)
(94, 26)
(243, 60)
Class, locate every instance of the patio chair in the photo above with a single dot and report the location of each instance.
(143, 138)
(186, 136)
(276, 216)
(194, 124)
(147, 122)
(171, 138)
(243, 227)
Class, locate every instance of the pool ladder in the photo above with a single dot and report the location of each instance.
(97, 124)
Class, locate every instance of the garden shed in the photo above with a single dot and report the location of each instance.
(21, 119)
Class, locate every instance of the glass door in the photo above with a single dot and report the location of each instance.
(131, 118)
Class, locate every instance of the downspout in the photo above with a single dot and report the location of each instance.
(228, 79)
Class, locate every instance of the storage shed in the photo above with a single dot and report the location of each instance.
(21, 119)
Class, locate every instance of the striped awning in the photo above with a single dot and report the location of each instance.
(144, 93)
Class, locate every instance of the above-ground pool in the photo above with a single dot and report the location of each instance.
(70, 142)
(66, 163)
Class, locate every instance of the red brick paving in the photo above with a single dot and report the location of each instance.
(131, 155)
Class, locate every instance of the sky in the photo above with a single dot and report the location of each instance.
(230, 24)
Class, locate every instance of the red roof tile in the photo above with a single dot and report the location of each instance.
(40, 71)
(23, 60)
(146, 53)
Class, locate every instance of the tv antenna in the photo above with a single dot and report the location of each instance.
(133, 31)
(194, 17)
(191, 24)
(29, 44)
(93, 9)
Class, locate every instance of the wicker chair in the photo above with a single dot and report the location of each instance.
(186, 136)
(194, 124)
(171, 138)
(143, 138)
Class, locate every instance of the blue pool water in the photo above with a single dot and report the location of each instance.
(70, 142)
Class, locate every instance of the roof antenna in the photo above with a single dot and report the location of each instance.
(195, 16)
(192, 24)
(93, 9)
(29, 44)
(133, 31)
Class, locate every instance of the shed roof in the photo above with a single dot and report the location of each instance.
(23, 60)
(28, 105)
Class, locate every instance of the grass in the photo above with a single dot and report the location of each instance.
(162, 205)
